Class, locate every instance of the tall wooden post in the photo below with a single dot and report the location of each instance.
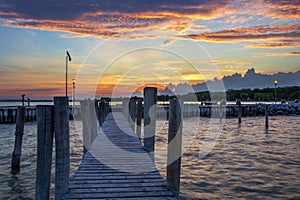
(62, 146)
(132, 112)
(150, 99)
(85, 126)
(92, 119)
(126, 108)
(267, 117)
(139, 117)
(45, 129)
(238, 102)
(16, 155)
(174, 146)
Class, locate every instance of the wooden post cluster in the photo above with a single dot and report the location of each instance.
(266, 117)
(150, 100)
(174, 146)
(53, 121)
(16, 155)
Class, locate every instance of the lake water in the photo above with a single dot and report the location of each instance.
(245, 163)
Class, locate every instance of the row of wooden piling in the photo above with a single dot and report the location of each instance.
(134, 110)
(9, 115)
(230, 110)
(91, 112)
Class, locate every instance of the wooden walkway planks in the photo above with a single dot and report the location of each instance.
(117, 167)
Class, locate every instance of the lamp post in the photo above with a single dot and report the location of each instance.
(275, 84)
(73, 101)
(68, 58)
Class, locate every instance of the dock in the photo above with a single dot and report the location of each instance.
(117, 167)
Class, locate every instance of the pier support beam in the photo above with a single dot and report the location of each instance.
(16, 155)
(139, 117)
(150, 99)
(267, 117)
(174, 146)
(132, 112)
(239, 103)
(45, 130)
(62, 146)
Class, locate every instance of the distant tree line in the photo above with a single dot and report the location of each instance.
(265, 94)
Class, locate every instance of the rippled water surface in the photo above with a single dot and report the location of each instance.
(22, 184)
(245, 162)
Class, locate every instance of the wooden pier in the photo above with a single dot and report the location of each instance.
(116, 164)
(117, 167)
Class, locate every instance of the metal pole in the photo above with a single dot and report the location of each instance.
(66, 76)
(275, 93)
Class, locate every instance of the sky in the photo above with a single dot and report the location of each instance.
(118, 47)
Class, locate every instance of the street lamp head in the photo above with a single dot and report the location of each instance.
(275, 82)
(73, 81)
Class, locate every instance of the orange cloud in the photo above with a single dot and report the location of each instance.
(275, 54)
(249, 34)
(280, 44)
(284, 9)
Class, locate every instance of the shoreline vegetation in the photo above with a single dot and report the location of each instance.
(289, 93)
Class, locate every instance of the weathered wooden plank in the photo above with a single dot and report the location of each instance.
(117, 185)
(116, 177)
(120, 195)
(127, 189)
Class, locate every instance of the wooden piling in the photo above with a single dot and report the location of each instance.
(62, 146)
(92, 119)
(132, 112)
(239, 103)
(266, 117)
(85, 126)
(150, 99)
(100, 112)
(16, 155)
(139, 117)
(126, 108)
(174, 146)
(45, 130)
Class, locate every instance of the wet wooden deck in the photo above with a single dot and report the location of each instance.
(117, 167)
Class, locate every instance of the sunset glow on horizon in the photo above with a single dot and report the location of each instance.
(118, 47)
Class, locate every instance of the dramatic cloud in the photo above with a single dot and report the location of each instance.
(249, 34)
(107, 18)
(276, 54)
(156, 18)
(278, 44)
(284, 9)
